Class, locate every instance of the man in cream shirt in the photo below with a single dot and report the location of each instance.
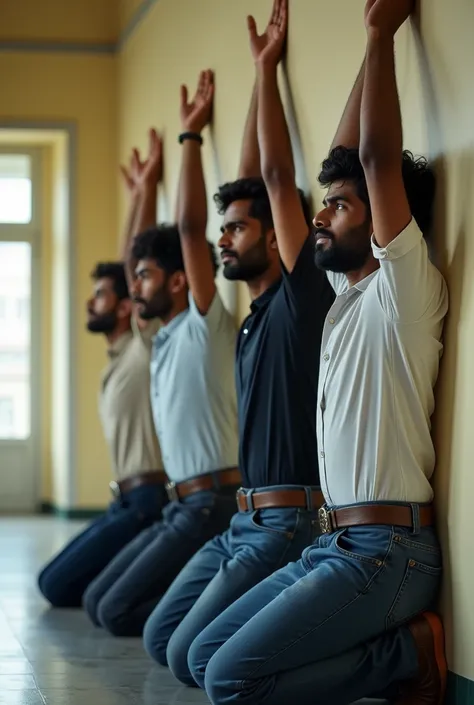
(125, 411)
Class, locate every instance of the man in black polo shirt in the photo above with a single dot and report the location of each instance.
(276, 372)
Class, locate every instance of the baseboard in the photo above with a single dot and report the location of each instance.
(460, 690)
(83, 513)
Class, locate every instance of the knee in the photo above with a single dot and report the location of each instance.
(177, 658)
(90, 603)
(154, 642)
(197, 663)
(53, 589)
(110, 617)
(218, 683)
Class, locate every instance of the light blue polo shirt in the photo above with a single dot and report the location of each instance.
(193, 393)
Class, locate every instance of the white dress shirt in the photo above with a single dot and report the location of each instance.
(379, 363)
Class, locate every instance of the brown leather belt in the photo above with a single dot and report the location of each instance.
(248, 500)
(210, 481)
(331, 520)
(153, 477)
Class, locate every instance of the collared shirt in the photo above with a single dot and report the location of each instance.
(124, 404)
(379, 363)
(193, 392)
(276, 375)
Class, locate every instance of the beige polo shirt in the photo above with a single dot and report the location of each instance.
(379, 363)
(124, 404)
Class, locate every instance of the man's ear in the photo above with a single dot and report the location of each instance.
(177, 282)
(124, 308)
(272, 240)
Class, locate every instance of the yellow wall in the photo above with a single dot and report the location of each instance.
(55, 20)
(178, 38)
(79, 89)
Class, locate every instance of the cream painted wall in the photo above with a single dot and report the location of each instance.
(180, 37)
(79, 89)
(56, 20)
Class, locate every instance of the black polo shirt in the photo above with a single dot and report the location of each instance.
(277, 367)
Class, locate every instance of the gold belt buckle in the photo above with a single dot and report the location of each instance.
(325, 522)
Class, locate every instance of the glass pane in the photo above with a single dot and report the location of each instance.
(15, 188)
(15, 294)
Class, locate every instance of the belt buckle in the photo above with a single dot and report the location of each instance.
(115, 489)
(325, 522)
(171, 491)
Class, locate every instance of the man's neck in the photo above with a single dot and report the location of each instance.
(355, 277)
(258, 286)
(116, 334)
(175, 311)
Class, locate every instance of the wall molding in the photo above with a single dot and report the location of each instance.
(83, 513)
(49, 46)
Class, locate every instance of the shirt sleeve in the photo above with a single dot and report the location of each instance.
(216, 319)
(409, 286)
(307, 286)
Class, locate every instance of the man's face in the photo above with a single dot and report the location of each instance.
(244, 246)
(151, 291)
(342, 230)
(102, 307)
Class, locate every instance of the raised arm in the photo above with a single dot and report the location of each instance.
(192, 218)
(278, 169)
(381, 143)
(142, 179)
(348, 131)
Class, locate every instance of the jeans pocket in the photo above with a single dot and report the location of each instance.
(279, 522)
(418, 592)
(369, 545)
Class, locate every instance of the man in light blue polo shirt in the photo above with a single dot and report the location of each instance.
(195, 412)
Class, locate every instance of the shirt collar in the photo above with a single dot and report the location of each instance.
(265, 298)
(362, 285)
(165, 331)
(119, 345)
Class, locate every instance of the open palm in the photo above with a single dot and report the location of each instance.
(196, 114)
(270, 45)
(387, 15)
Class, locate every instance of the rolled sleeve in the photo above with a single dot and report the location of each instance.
(410, 288)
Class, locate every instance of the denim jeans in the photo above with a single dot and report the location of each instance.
(328, 629)
(124, 595)
(64, 580)
(256, 544)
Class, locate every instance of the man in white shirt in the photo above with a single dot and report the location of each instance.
(349, 620)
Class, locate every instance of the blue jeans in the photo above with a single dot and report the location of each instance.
(256, 544)
(326, 629)
(64, 580)
(124, 595)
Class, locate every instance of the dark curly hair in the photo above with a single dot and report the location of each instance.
(344, 164)
(163, 245)
(116, 272)
(253, 189)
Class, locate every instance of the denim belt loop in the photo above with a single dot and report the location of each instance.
(249, 498)
(415, 512)
(309, 499)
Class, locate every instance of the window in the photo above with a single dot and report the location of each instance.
(6, 417)
(15, 188)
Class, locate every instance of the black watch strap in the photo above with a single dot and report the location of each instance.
(190, 136)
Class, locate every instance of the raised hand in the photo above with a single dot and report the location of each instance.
(195, 115)
(387, 16)
(269, 47)
(149, 171)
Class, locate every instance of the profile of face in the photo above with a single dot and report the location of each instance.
(342, 230)
(246, 248)
(154, 291)
(104, 308)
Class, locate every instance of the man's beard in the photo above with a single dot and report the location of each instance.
(250, 265)
(105, 323)
(158, 307)
(347, 256)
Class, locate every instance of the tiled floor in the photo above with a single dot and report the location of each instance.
(57, 657)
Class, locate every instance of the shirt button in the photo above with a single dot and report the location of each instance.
(332, 321)
(246, 330)
(326, 357)
(322, 454)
